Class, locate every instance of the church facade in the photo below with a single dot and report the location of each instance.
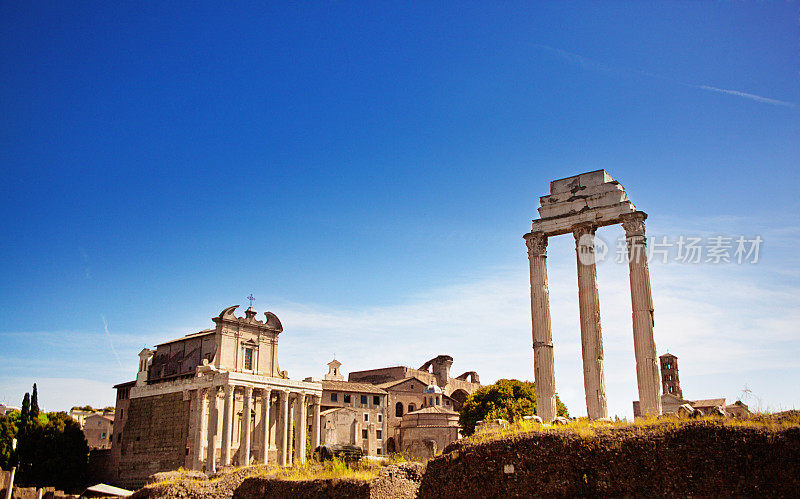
(211, 399)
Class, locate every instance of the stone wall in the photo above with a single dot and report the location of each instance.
(155, 438)
(703, 458)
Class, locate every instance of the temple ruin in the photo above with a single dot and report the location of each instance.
(580, 205)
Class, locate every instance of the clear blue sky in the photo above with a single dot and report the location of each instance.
(367, 171)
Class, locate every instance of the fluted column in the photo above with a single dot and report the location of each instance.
(265, 406)
(315, 423)
(227, 425)
(199, 423)
(591, 334)
(303, 426)
(284, 427)
(213, 414)
(644, 343)
(297, 424)
(544, 375)
(244, 443)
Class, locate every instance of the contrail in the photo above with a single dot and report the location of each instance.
(110, 342)
(591, 64)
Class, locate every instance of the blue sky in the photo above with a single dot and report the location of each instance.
(367, 171)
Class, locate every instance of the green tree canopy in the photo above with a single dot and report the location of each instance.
(507, 399)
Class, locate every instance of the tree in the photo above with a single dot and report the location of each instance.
(8, 432)
(507, 399)
(25, 414)
(62, 453)
(35, 403)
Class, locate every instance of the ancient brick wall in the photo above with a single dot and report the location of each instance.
(155, 438)
(697, 459)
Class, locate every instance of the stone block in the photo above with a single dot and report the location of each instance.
(596, 177)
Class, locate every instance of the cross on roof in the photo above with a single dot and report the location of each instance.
(252, 299)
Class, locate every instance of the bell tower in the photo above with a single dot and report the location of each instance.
(670, 384)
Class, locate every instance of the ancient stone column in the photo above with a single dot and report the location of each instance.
(199, 423)
(244, 445)
(315, 423)
(297, 424)
(591, 334)
(213, 414)
(265, 406)
(644, 343)
(544, 374)
(227, 425)
(284, 427)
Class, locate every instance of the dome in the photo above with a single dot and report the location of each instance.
(432, 389)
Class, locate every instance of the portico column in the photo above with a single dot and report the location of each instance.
(284, 427)
(244, 445)
(295, 426)
(265, 403)
(302, 427)
(644, 343)
(591, 335)
(213, 414)
(199, 422)
(315, 423)
(544, 374)
(227, 425)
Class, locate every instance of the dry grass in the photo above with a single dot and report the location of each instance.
(585, 428)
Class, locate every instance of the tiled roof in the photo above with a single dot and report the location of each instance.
(347, 386)
(126, 384)
(434, 409)
(390, 384)
(708, 402)
(189, 336)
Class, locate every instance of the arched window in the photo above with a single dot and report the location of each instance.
(398, 410)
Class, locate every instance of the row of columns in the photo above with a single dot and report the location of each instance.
(591, 335)
(206, 424)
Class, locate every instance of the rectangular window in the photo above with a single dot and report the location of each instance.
(380, 418)
(248, 359)
(334, 397)
(366, 416)
(379, 451)
(364, 434)
(346, 398)
(376, 400)
(121, 413)
(364, 399)
(379, 434)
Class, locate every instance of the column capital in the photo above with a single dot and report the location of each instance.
(536, 243)
(633, 223)
(248, 390)
(583, 229)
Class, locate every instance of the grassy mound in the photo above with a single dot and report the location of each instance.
(707, 456)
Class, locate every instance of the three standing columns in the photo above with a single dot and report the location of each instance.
(591, 335)
(644, 345)
(544, 375)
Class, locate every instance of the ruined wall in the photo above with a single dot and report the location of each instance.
(704, 458)
(155, 438)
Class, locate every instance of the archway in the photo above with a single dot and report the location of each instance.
(459, 397)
